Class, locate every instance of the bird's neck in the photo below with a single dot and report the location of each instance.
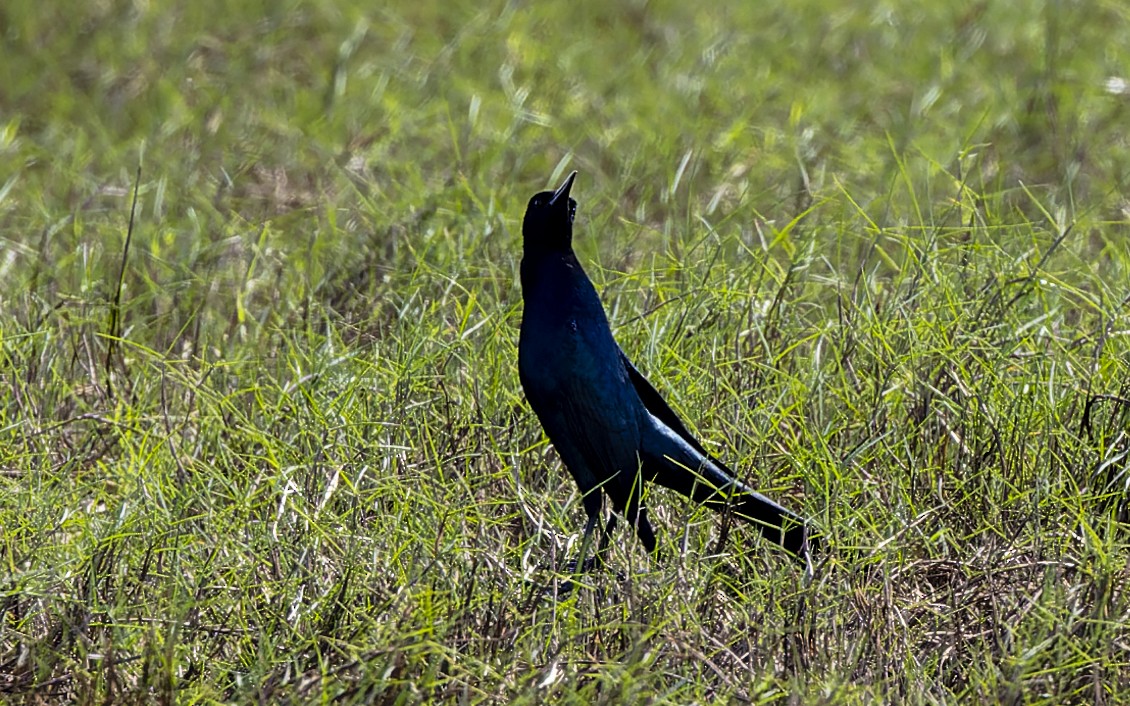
(550, 269)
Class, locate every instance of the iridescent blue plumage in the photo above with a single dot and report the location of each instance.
(611, 428)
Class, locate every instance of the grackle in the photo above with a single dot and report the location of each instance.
(611, 428)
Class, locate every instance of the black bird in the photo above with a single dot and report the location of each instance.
(611, 428)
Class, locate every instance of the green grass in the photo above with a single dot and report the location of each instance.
(878, 257)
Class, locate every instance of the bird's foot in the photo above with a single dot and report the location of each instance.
(594, 565)
(590, 564)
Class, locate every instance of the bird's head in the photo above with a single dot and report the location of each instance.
(548, 224)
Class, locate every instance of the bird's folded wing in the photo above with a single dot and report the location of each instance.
(662, 411)
(659, 407)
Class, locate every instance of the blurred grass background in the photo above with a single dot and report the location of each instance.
(876, 255)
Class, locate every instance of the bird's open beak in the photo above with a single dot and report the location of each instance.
(562, 192)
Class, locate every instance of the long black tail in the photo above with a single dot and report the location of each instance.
(713, 486)
(774, 522)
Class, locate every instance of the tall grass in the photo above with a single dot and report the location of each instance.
(876, 256)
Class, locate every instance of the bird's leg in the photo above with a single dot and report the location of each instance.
(586, 540)
(594, 508)
(636, 515)
(644, 530)
(599, 558)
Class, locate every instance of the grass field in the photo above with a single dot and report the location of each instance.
(270, 446)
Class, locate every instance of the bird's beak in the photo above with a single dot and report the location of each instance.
(562, 192)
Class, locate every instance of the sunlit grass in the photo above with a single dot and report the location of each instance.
(877, 257)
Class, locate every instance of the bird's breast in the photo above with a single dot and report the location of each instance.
(566, 352)
(551, 353)
(571, 359)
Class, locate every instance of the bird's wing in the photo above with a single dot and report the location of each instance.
(663, 452)
(659, 408)
(718, 473)
(594, 443)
